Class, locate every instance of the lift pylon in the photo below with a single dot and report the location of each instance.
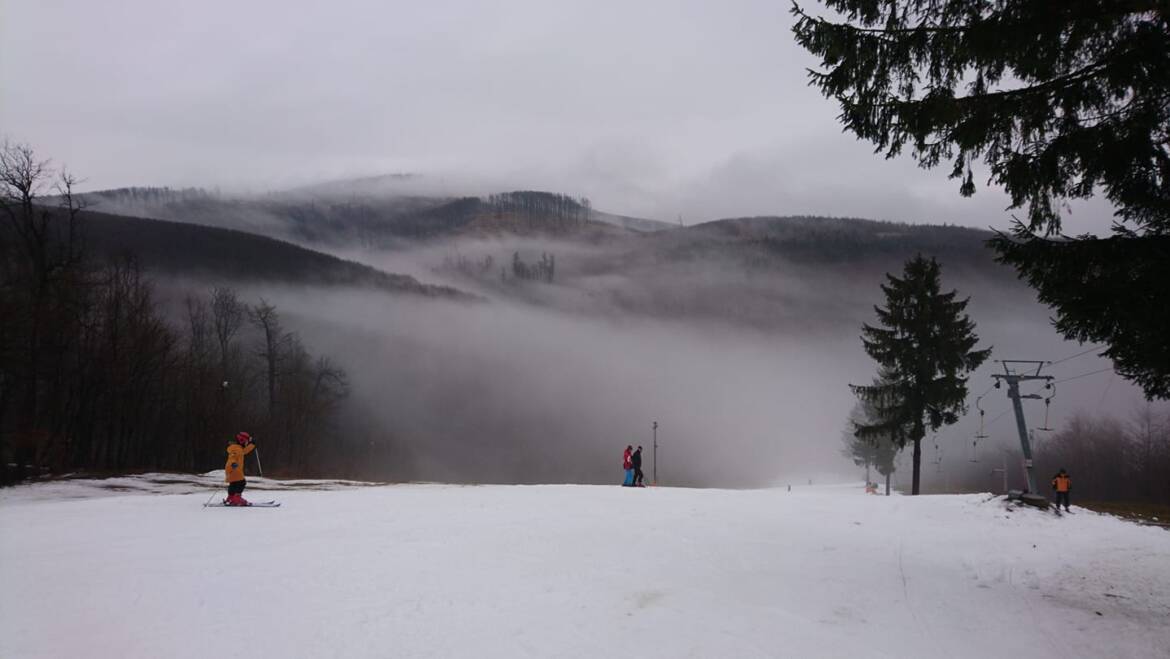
(1013, 376)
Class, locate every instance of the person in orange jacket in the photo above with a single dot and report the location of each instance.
(1062, 484)
(234, 469)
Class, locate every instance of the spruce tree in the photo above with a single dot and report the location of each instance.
(876, 452)
(924, 348)
(1059, 100)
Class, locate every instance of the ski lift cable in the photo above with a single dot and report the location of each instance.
(1079, 354)
(1106, 392)
(1085, 375)
(1001, 415)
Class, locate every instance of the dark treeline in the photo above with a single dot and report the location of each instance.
(94, 375)
(862, 248)
(465, 266)
(150, 195)
(837, 240)
(1109, 459)
(543, 269)
(561, 210)
(833, 240)
(367, 222)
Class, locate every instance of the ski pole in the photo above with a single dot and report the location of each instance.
(258, 465)
(208, 502)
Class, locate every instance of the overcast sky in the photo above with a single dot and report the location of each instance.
(685, 108)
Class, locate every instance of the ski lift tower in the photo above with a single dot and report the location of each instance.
(1016, 371)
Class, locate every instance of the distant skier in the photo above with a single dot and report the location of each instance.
(1062, 484)
(628, 466)
(234, 469)
(636, 463)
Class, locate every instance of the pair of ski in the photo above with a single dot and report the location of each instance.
(251, 504)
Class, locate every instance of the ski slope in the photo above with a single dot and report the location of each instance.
(143, 570)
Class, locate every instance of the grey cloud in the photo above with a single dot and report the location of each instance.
(654, 108)
(361, 79)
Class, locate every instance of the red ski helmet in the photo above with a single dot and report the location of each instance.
(243, 437)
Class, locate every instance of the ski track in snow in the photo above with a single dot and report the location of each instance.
(136, 567)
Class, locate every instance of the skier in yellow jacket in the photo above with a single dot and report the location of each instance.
(234, 469)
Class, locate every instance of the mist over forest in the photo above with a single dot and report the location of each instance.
(529, 337)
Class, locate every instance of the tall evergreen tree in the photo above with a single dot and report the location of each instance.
(1060, 100)
(924, 348)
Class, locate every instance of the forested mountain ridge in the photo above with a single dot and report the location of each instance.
(493, 245)
(768, 273)
(834, 240)
(774, 273)
(176, 248)
(370, 221)
(382, 222)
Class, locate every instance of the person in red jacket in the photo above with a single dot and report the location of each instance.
(234, 469)
(628, 465)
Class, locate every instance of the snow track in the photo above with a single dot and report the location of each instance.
(572, 571)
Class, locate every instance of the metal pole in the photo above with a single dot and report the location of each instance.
(1022, 428)
(654, 469)
(258, 465)
(1013, 380)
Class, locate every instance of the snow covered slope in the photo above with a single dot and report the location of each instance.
(571, 571)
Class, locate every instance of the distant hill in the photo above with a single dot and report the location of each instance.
(175, 248)
(794, 229)
(294, 216)
(762, 271)
(322, 215)
(834, 241)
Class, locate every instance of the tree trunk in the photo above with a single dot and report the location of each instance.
(917, 464)
(271, 379)
(887, 485)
